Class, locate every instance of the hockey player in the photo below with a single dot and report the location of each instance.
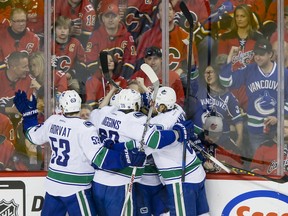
(184, 198)
(261, 82)
(122, 125)
(75, 146)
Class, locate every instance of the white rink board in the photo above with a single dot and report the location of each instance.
(244, 198)
(225, 197)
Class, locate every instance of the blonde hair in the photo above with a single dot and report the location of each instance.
(63, 21)
(252, 23)
(38, 58)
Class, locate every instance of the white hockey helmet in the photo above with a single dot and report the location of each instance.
(213, 127)
(167, 96)
(70, 101)
(128, 98)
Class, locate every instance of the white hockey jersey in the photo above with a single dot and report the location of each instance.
(120, 127)
(74, 143)
(169, 158)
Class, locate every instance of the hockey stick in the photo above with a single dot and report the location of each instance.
(228, 167)
(238, 170)
(189, 17)
(155, 82)
(105, 69)
(210, 157)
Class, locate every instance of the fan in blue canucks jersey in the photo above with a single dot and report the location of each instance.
(215, 98)
(261, 81)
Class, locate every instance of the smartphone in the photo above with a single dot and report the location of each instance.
(12, 198)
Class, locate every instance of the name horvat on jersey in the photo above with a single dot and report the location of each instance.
(60, 130)
(112, 123)
(263, 84)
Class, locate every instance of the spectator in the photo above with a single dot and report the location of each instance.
(114, 39)
(243, 35)
(14, 77)
(178, 44)
(261, 81)
(7, 130)
(6, 154)
(68, 55)
(213, 97)
(266, 164)
(153, 57)
(35, 14)
(82, 14)
(37, 70)
(98, 87)
(17, 37)
(85, 111)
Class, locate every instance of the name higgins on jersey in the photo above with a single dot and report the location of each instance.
(112, 123)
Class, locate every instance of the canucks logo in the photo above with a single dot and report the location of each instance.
(265, 104)
(8, 208)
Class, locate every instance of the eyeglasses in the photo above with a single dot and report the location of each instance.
(19, 21)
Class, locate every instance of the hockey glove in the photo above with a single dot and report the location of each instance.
(133, 157)
(185, 130)
(146, 98)
(111, 144)
(108, 143)
(27, 108)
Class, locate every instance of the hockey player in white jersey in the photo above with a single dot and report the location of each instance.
(76, 150)
(122, 125)
(189, 197)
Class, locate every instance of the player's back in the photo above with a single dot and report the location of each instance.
(118, 125)
(169, 159)
(73, 142)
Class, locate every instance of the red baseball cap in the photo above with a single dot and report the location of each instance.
(110, 8)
